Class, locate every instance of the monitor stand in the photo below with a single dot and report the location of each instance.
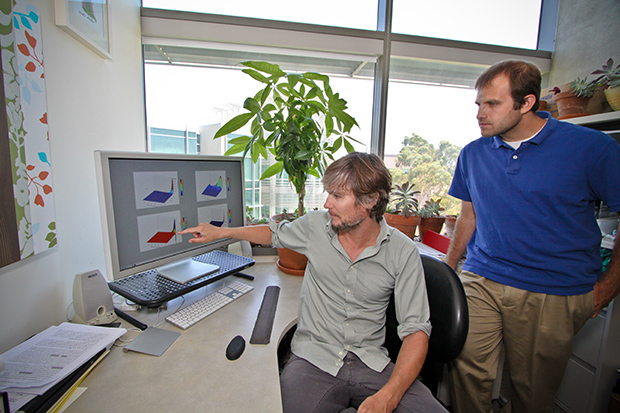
(186, 270)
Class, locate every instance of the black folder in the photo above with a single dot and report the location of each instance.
(45, 401)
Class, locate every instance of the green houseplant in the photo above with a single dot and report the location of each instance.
(402, 213)
(431, 217)
(574, 101)
(300, 120)
(609, 81)
(295, 116)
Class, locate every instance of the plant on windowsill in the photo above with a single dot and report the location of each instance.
(609, 81)
(450, 224)
(295, 116)
(250, 220)
(573, 102)
(431, 217)
(402, 212)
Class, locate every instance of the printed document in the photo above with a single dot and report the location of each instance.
(38, 363)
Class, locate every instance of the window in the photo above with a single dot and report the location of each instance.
(173, 141)
(180, 97)
(426, 128)
(193, 80)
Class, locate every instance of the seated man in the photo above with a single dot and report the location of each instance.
(355, 263)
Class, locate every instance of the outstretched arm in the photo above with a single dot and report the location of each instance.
(203, 232)
(608, 286)
(465, 227)
(408, 365)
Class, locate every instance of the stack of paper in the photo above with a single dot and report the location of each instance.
(37, 365)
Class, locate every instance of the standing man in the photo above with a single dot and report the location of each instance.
(533, 270)
(355, 263)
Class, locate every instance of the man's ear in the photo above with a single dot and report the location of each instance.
(372, 201)
(528, 103)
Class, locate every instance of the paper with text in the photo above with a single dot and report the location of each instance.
(40, 362)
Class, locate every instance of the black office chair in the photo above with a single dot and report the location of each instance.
(449, 318)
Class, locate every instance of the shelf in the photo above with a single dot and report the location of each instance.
(608, 121)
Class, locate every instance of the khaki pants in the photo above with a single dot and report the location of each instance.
(537, 331)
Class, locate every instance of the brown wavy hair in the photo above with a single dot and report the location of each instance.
(364, 174)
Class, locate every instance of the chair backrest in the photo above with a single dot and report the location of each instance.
(449, 314)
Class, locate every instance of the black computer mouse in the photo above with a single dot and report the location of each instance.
(235, 348)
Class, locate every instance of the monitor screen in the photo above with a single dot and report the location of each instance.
(147, 198)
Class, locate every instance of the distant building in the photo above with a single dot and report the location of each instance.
(390, 161)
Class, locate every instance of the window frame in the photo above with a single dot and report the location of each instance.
(201, 30)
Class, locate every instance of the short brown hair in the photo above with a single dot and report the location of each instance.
(364, 174)
(524, 78)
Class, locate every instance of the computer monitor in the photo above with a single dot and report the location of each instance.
(147, 198)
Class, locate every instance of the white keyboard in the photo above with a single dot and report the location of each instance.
(190, 315)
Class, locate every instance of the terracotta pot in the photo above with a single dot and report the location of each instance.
(450, 224)
(570, 105)
(406, 225)
(543, 105)
(291, 262)
(433, 223)
(613, 97)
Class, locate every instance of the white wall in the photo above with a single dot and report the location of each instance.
(93, 104)
(588, 34)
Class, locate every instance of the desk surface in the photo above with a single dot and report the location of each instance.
(194, 374)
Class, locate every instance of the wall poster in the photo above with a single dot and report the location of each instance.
(28, 224)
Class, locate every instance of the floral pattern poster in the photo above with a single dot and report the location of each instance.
(26, 113)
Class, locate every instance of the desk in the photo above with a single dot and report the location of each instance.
(194, 374)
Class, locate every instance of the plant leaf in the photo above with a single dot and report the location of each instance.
(251, 105)
(304, 155)
(317, 76)
(314, 173)
(265, 67)
(234, 124)
(241, 140)
(235, 149)
(348, 146)
(256, 76)
(272, 170)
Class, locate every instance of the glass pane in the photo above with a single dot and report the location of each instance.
(204, 98)
(426, 128)
(355, 14)
(504, 23)
(167, 144)
(191, 146)
(247, 171)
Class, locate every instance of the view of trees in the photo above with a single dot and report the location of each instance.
(430, 169)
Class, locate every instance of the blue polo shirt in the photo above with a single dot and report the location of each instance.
(535, 223)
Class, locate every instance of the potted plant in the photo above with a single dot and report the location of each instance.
(573, 102)
(250, 220)
(609, 81)
(403, 208)
(295, 116)
(431, 217)
(450, 224)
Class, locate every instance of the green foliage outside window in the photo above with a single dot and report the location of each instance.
(430, 168)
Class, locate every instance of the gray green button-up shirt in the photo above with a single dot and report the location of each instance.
(343, 303)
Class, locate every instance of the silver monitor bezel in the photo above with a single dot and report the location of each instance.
(104, 190)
